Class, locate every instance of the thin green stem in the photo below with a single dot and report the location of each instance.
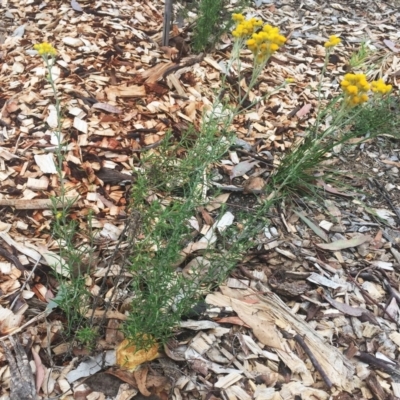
(321, 77)
(58, 135)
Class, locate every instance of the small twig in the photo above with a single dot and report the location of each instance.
(131, 226)
(249, 275)
(392, 292)
(25, 283)
(259, 158)
(365, 294)
(10, 257)
(187, 62)
(167, 22)
(313, 360)
(385, 194)
(22, 327)
(362, 270)
(378, 363)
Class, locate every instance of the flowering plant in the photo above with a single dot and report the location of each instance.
(355, 88)
(379, 87)
(262, 40)
(296, 169)
(332, 42)
(45, 49)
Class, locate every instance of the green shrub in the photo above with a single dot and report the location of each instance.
(213, 20)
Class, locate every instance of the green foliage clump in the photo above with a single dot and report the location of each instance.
(162, 292)
(213, 20)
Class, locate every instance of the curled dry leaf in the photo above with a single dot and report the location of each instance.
(177, 354)
(233, 321)
(141, 376)
(217, 202)
(39, 370)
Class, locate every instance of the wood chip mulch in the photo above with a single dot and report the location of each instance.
(312, 313)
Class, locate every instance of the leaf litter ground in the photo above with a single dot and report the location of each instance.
(312, 312)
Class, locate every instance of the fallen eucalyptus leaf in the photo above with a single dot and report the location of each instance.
(317, 230)
(345, 308)
(344, 244)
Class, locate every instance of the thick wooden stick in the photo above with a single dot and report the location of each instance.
(313, 360)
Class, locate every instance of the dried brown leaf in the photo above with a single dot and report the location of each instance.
(141, 376)
(39, 370)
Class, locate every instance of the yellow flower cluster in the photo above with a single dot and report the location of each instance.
(262, 42)
(380, 87)
(355, 87)
(45, 49)
(245, 28)
(238, 17)
(332, 42)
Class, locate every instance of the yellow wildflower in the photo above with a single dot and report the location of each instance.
(274, 47)
(258, 22)
(380, 87)
(261, 42)
(251, 44)
(245, 28)
(238, 17)
(266, 42)
(45, 49)
(352, 90)
(332, 42)
(355, 88)
(255, 22)
(270, 29)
